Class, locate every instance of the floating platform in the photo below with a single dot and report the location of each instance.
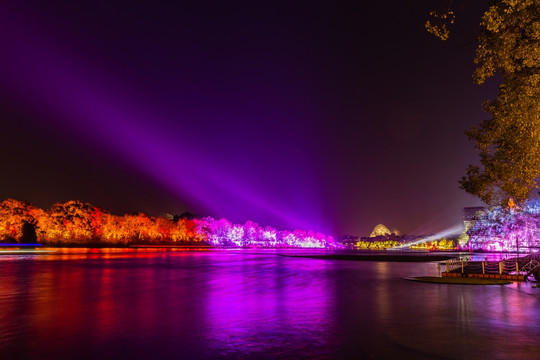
(459, 280)
(509, 277)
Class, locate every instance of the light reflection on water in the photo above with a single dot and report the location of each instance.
(252, 304)
(258, 310)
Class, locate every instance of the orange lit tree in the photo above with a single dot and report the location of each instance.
(70, 222)
(13, 215)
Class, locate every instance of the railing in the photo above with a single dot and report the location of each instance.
(456, 264)
(534, 261)
(516, 266)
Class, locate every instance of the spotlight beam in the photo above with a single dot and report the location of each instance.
(448, 232)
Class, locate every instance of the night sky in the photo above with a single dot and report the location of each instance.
(332, 116)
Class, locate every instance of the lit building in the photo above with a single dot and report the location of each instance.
(347, 240)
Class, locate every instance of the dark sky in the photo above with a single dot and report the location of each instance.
(334, 116)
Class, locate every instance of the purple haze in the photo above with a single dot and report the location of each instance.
(326, 116)
(84, 103)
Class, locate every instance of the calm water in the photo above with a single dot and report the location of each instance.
(240, 304)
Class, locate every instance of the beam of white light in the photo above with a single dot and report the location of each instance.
(455, 230)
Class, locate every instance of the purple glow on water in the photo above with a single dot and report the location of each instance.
(138, 304)
(243, 320)
(86, 102)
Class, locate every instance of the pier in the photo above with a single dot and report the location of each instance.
(514, 269)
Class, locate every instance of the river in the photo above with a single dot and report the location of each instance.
(252, 304)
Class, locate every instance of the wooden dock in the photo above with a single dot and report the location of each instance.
(512, 269)
(519, 277)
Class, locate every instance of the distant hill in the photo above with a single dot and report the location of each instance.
(381, 230)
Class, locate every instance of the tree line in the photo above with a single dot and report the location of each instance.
(78, 223)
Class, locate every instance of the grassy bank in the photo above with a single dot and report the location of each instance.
(459, 280)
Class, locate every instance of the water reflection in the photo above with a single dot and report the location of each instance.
(383, 294)
(270, 306)
(219, 304)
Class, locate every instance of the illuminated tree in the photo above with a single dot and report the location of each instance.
(179, 230)
(112, 229)
(220, 233)
(504, 229)
(439, 23)
(193, 229)
(69, 222)
(269, 236)
(13, 215)
(137, 227)
(75, 222)
(251, 234)
(508, 142)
